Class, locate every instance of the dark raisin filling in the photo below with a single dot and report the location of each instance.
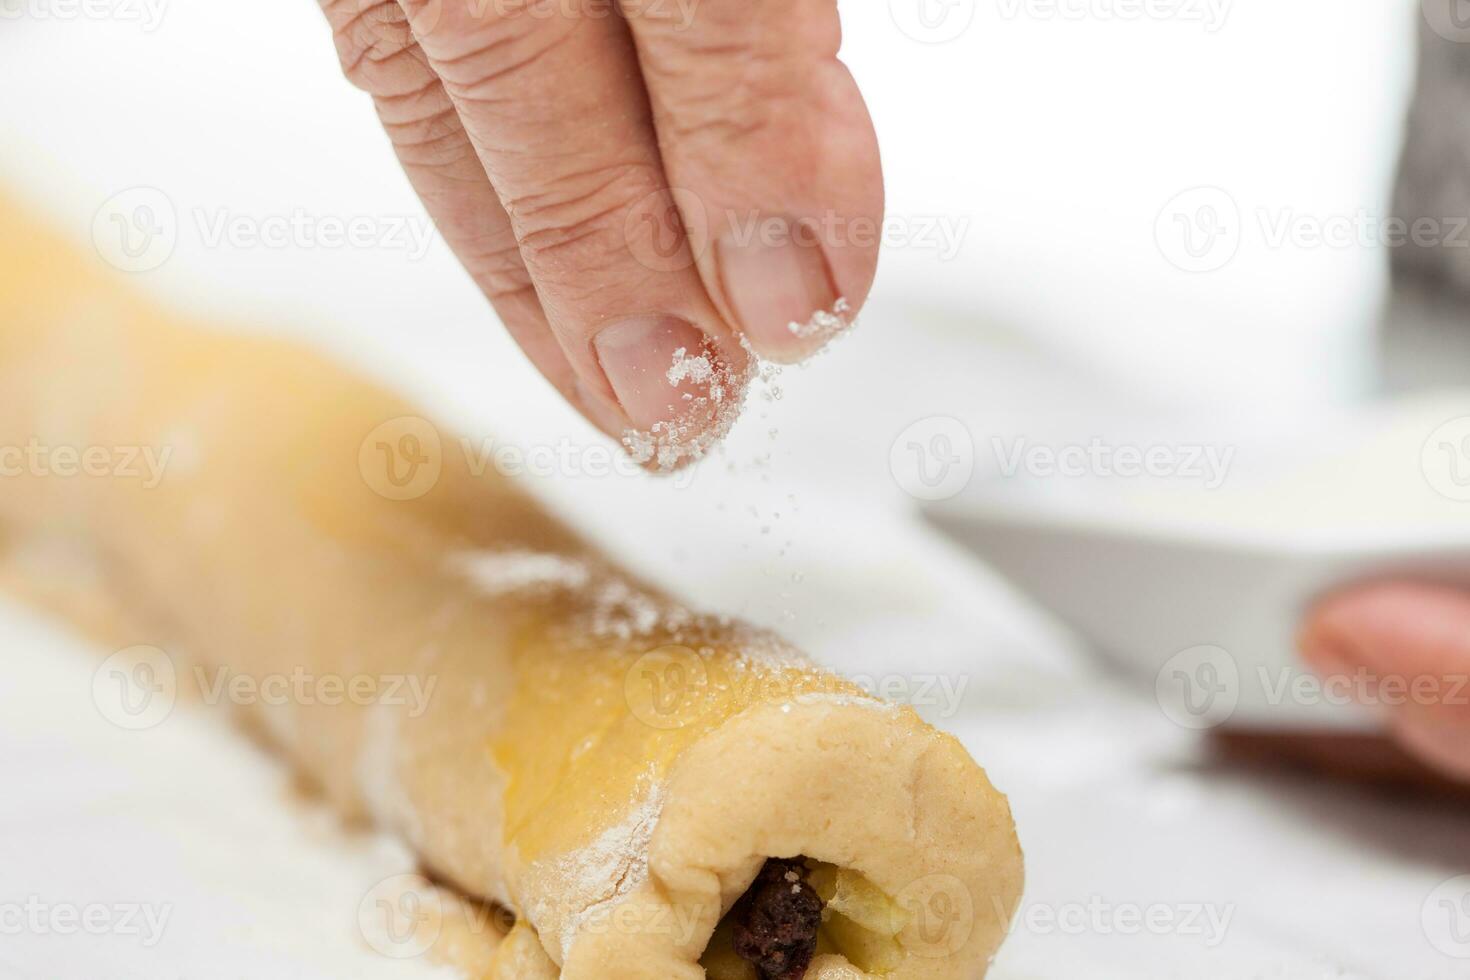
(776, 921)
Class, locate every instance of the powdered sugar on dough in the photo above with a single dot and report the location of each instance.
(505, 572)
(848, 701)
(606, 870)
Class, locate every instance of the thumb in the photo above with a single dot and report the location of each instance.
(1410, 645)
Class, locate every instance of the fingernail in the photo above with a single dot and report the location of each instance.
(652, 363)
(782, 293)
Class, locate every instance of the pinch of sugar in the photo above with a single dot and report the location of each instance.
(824, 324)
(705, 419)
(696, 369)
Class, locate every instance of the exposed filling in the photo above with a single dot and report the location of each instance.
(799, 909)
(774, 926)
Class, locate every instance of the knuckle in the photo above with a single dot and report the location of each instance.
(478, 44)
(435, 141)
(576, 223)
(730, 91)
(375, 44)
(498, 270)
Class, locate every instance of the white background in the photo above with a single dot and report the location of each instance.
(1061, 142)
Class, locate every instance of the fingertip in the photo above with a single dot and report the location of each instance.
(1403, 626)
(1443, 744)
(782, 291)
(678, 389)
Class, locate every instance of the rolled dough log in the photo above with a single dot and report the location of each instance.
(545, 731)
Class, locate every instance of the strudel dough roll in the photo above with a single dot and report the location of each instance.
(654, 793)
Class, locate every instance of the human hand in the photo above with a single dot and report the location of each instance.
(1407, 648)
(627, 179)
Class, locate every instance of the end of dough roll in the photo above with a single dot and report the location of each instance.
(892, 814)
